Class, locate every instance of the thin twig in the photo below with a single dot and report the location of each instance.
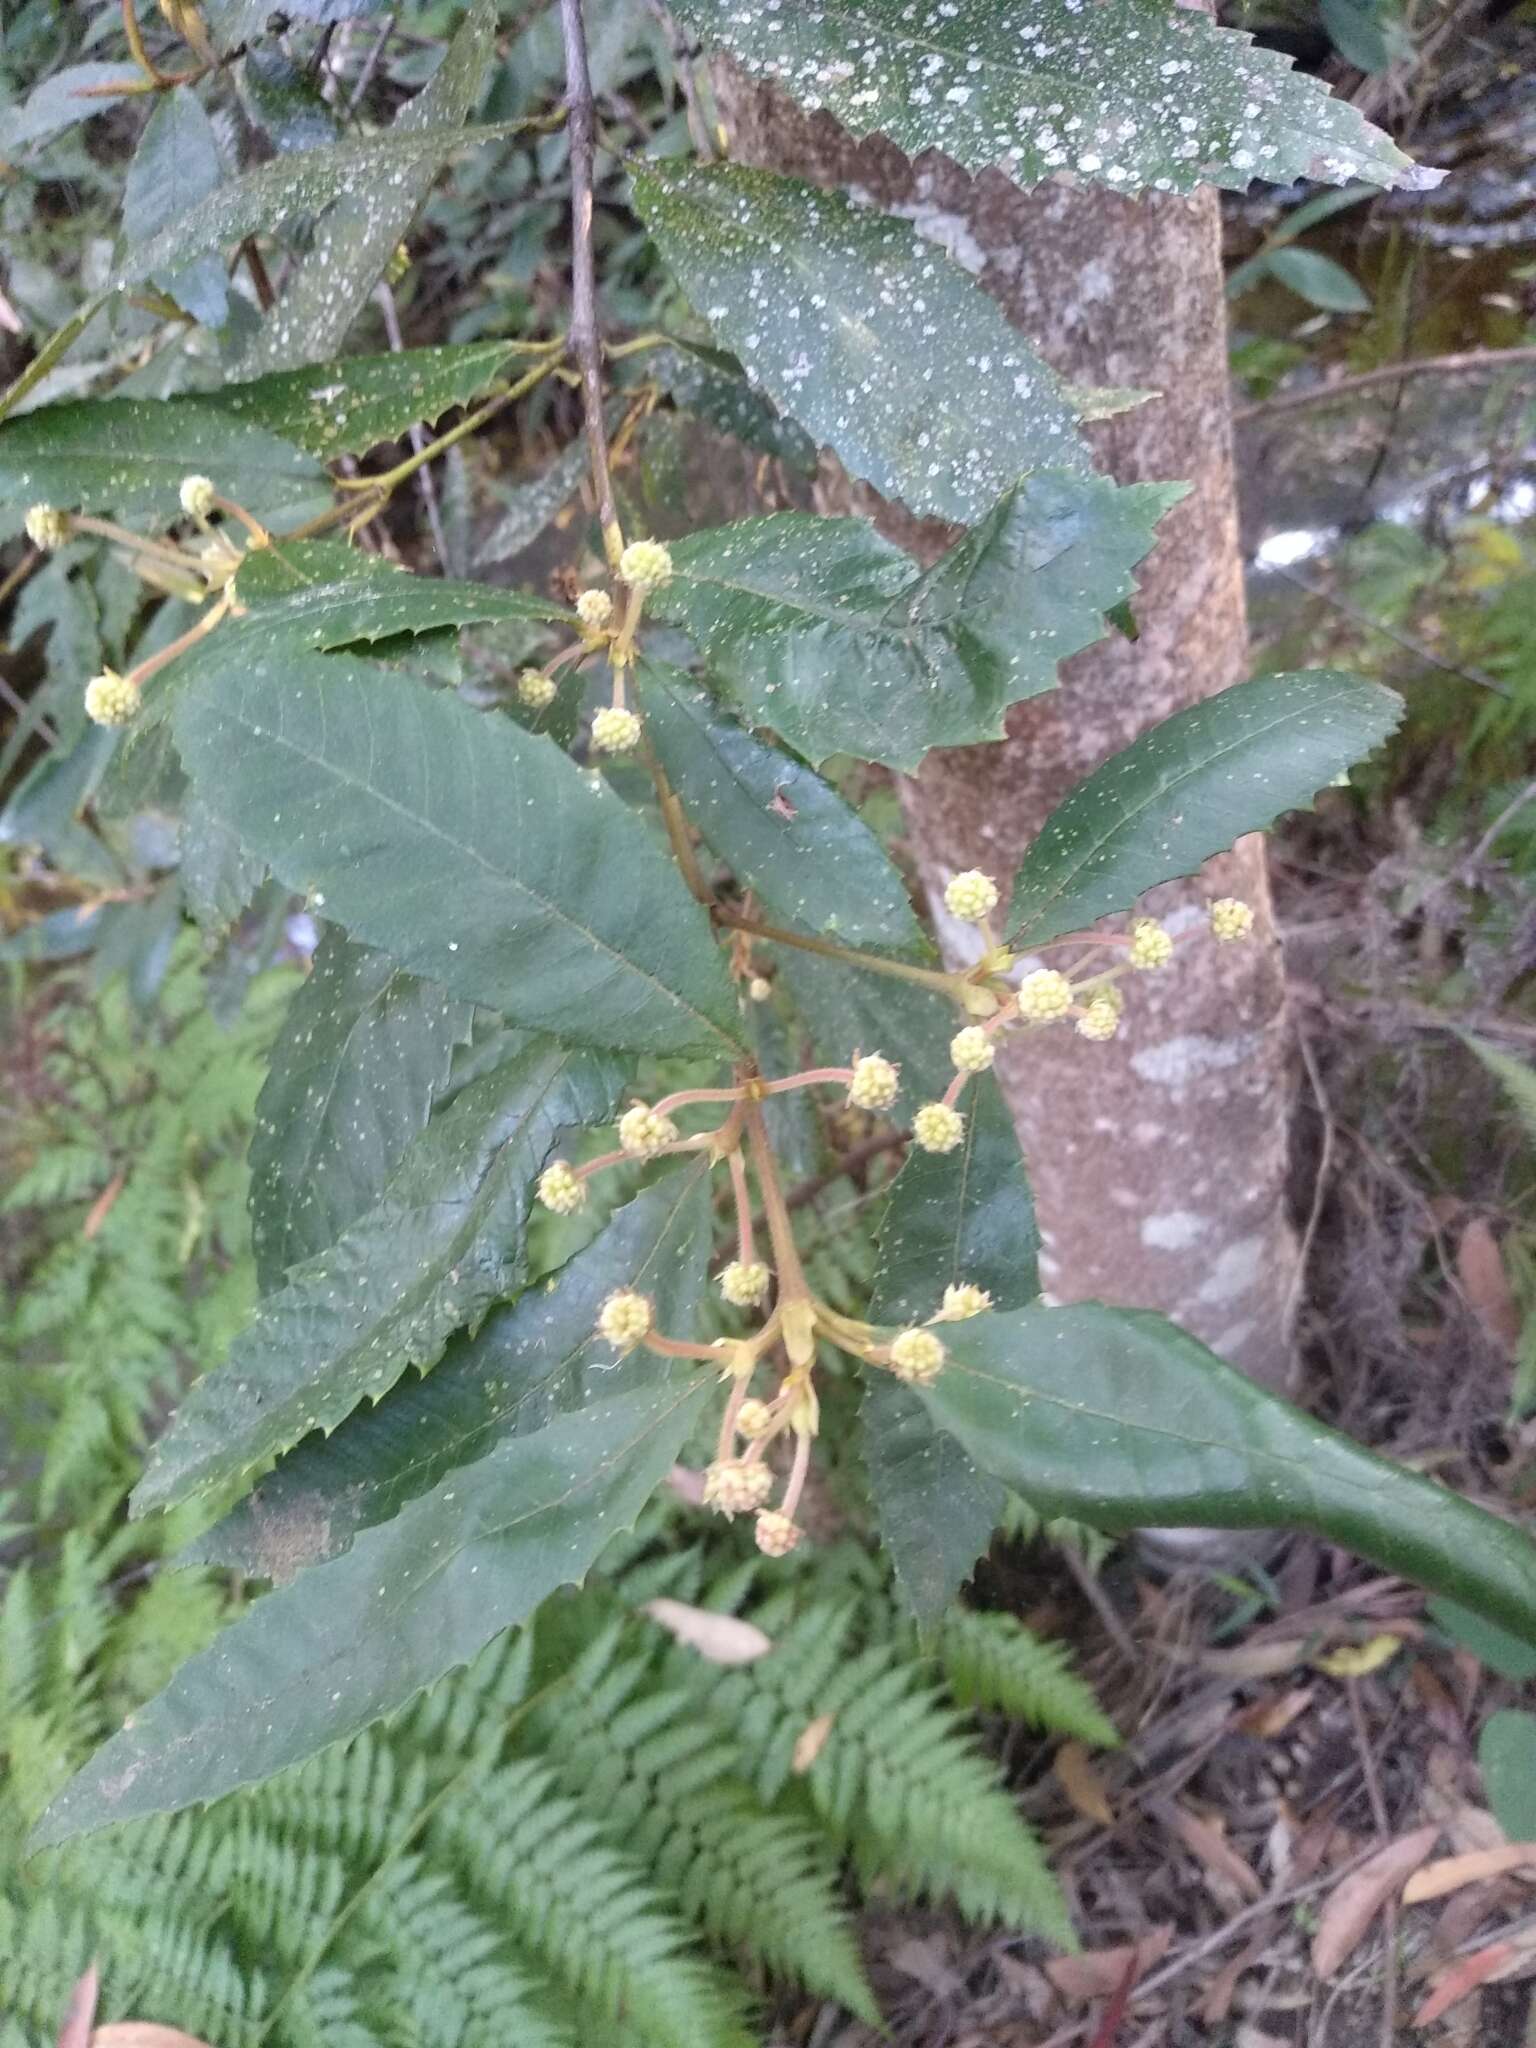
(584, 341)
(1470, 362)
(371, 61)
(685, 55)
(1405, 641)
(845, 1167)
(1378, 1803)
(425, 482)
(1324, 1175)
(1485, 845)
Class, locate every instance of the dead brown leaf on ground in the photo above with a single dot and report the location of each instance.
(1354, 1903)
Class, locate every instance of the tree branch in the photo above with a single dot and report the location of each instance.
(585, 343)
(1472, 362)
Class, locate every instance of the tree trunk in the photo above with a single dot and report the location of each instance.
(1158, 1160)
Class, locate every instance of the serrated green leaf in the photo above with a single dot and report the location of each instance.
(1189, 788)
(951, 1217)
(348, 406)
(879, 345)
(128, 456)
(360, 231)
(443, 1242)
(177, 165)
(531, 1361)
(781, 830)
(1131, 94)
(476, 854)
(364, 1050)
(710, 384)
(1118, 1418)
(827, 633)
(63, 101)
(218, 876)
(353, 1639)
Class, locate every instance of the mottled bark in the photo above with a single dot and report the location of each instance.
(1159, 1160)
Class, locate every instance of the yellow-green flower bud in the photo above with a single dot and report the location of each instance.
(48, 528)
(1151, 946)
(624, 1319)
(594, 608)
(875, 1084)
(197, 496)
(646, 564)
(776, 1533)
(937, 1127)
(917, 1357)
(111, 699)
(535, 689)
(615, 731)
(744, 1282)
(643, 1133)
(1231, 918)
(561, 1190)
(971, 896)
(972, 1050)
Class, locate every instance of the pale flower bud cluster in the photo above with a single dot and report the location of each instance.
(1044, 996)
(197, 496)
(48, 528)
(560, 1190)
(962, 1301)
(937, 1127)
(735, 1486)
(754, 1418)
(643, 1132)
(1231, 918)
(594, 608)
(535, 689)
(646, 564)
(972, 1050)
(776, 1534)
(615, 730)
(875, 1083)
(624, 1319)
(971, 896)
(744, 1282)
(1100, 1020)
(111, 699)
(917, 1357)
(1151, 946)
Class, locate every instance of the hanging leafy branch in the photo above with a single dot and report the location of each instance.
(615, 900)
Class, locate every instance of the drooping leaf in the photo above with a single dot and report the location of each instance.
(1318, 279)
(443, 1242)
(357, 235)
(62, 101)
(364, 1050)
(827, 633)
(128, 456)
(177, 165)
(353, 1639)
(530, 506)
(783, 832)
(1117, 1417)
(1191, 786)
(531, 1361)
(711, 384)
(348, 406)
(879, 345)
(951, 1218)
(1506, 1752)
(285, 101)
(476, 854)
(1130, 94)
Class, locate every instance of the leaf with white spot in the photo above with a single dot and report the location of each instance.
(1128, 93)
(784, 833)
(1189, 788)
(348, 406)
(351, 1640)
(880, 346)
(363, 1050)
(177, 163)
(827, 633)
(442, 1243)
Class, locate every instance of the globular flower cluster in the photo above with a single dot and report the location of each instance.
(646, 564)
(615, 730)
(1151, 945)
(971, 896)
(594, 608)
(643, 1131)
(625, 1319)
(754, 1418)
(938, 1127)
(48, 528)
(1231, 918)
(744, 1282)
(198, 496)
(917, 1357)
(776, 1534)
(535, 689)
(1100, 1020)
(561, 1190)
(972, 1050)
(111, 699)
(875, 1082)
(1044, 996)
(962, 1301)
(736, 1486)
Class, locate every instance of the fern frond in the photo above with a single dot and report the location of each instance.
(994, 1662)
